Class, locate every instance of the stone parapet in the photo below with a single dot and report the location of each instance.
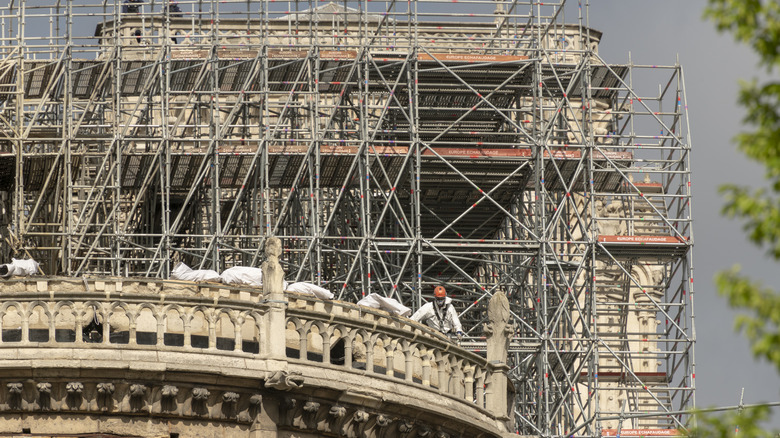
(119, 355)
(136, 35)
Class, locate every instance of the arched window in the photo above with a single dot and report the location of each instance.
(65, 324)
(174, 329)
(119, 326)
(250, 336)
(12, 325)
(38, 328)
(199, 330)
(226, 334)
(146, 328)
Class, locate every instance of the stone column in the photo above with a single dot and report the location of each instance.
(497, 331)
(273, 292)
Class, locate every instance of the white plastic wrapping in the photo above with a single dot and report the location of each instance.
(311, 289)
(381, 302)
(19, 268)
(184, 272)
(243, 275)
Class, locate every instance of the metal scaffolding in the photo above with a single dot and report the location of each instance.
(393, 146)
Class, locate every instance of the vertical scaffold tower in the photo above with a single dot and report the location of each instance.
(393, 146)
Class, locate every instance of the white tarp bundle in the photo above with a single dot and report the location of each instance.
(19, 268)
(310, 289)
(381, 302)
(243, 275)
(184, 272)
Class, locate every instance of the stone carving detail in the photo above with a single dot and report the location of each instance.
(169, 391)
(15, 395)
(200, 397)
(284, 381)
(126, 398)
(360, 416)
(230, 397)
(357, 425)
(273, 274)
(15, 388)
(334, 420)
(383, 420)
(105, 391)
(498, 332)
(200, 394)
(309, 416)
(256, 400)
(105, 388)
(612, 223)
(74, 390)
(44, 395)
(229, 401)
(424, 431)
(337, 411)
(255, 405)
(406, 426)
(168, 395)
(137, 390)
(288, 407)
(137, 395)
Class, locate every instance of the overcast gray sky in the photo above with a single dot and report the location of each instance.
(656, 32)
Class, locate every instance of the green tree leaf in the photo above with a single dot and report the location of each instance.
(757, 24)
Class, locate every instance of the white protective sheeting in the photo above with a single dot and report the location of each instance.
(381, 302)
(310, 289)
(184, 272)
(19, 268)
(243, 275)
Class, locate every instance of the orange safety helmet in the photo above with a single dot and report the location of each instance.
(439, 292)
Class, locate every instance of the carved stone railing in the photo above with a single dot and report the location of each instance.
(564, 44)
(350, 337)
(213, 352)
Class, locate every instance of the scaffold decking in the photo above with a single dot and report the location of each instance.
(393, 146)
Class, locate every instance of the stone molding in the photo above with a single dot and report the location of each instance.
(200, 403)
(119, 397)
(357, 422)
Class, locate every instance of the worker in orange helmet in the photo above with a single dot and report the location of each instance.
(439, 314)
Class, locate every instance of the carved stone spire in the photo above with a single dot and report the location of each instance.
(497, 329)
(273, 291)
(273, 274)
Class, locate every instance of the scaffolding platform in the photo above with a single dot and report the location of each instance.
(644, 246)
(441, 73)
(442, 167)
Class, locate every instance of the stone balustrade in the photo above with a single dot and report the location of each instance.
(210, 351)
(378, 343)
(564, 45)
